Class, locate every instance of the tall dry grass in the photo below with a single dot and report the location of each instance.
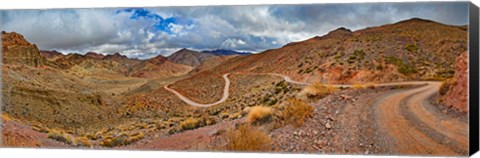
(247, 138)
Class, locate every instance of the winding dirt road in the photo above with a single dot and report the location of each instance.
(405, 120)
(193, 103)
(286, 78)
(416, 127)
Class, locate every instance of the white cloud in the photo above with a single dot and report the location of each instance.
(249, 28)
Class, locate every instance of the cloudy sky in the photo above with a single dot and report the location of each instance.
(147, 32)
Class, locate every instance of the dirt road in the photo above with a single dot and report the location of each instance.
(416, 127)
(286, 78)
(193, 103)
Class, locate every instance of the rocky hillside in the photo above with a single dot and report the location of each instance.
(158, 67)
(17, 50)
(413, 49)
(454, 91)
(189, 57)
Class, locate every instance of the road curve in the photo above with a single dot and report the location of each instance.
(286, 78)
(416, 129)
(193, 103)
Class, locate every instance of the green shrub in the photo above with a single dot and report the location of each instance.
(339, 55)
(61, 136)
(411, 48)
(402, 67)
(190, 123)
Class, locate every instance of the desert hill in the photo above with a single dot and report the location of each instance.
(17, 50)
(189, 57)
(406, 50)
(157, 67)
(94, 55)
(50, 54)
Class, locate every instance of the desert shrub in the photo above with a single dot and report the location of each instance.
(357, 86)
(379, 67)
(247, 138)
(135, 137)
(40, 128)
(411, 47)
(209, 121)
(235, 116)
(406, 69)
(318, 90)
(297, 111)
(122, 139)
(83, 141)
(224, 115)
(61, 136)
(190, 123)
(446, 85)
(259, 115)
(402, 67)
(268, 100)
(339, 55)
(309, 70)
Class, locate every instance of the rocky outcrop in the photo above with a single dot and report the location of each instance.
(456, 94)
(17, 50)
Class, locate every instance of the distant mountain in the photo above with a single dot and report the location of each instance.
(94, 55)
(189, 57)
(413, 49)
(17, 50)
(50, 54)
(158, 67)
(223, 52)
(116, 57)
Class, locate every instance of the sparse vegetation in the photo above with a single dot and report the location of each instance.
(446, 85)
(259, 114)
(190, 123)
(357, 86)
(247, 138)
(61, 136)
(411, 47)
(297, 111)
(318, 90)
(83, 141)
(403, 67)
(339, 55)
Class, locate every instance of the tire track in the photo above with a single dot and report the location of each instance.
(417, 131)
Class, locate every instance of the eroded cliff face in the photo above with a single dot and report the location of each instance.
(17, 50)
(456, 94)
